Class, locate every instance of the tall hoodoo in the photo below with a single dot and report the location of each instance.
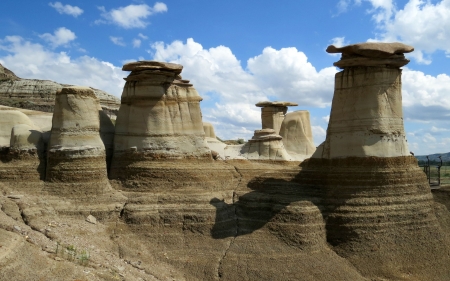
(366, 117)
(377, 201)
(159, 118)
(272, 113)
(76, 153)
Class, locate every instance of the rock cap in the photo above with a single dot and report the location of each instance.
(372, 49)
(275, 103)
(372, 54)
(152, 65)
(77, 90)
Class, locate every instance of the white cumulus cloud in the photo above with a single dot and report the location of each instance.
(66, 9)
(218, 75)
(131, 16)
(32, 60)
(61, 36)
(136, 43)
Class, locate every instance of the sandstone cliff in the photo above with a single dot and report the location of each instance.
(39, 95)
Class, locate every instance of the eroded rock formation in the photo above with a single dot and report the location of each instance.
(22, 148)
(35, 94)
(377, 202)
(297, 135)
(216, 146)
(76, 153)
(272, 113)
(159, 119)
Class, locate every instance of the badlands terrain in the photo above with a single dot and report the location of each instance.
(152, 194)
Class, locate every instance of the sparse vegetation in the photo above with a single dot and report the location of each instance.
(71, 253)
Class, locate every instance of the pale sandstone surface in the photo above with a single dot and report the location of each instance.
(39, 95)
(214, 144)
(41, 119)
(366, 116)
(9, 119)
(297, 135)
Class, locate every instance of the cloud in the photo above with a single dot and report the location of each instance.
(61, 36)
(131, 16)
(142, 36)
(136, 43)
(426, 94)
(117, 40)
(32, 60)
(422, 24)
(217, 74)
(66, 9)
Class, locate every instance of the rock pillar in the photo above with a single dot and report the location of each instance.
(76, 153)
(272, 113)
(376, 200)
(159, 120)
(297, 135)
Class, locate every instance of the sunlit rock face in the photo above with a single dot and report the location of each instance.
(297, 135)
(217, 147)
(159, 119)
(76, 153)
(22, 148)
(366, 114)
(376, 201)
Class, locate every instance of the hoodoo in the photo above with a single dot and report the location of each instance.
(377, 202)
(76, 153)
(272, 113)
(159, 127)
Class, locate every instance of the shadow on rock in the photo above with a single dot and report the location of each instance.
(276, 202)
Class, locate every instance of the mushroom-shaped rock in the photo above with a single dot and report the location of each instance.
(373, 190)
(272, 113)
(297, 135)
(372, 54)
(159, 120)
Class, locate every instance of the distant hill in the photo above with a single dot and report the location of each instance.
(434, 157)
(35, 94)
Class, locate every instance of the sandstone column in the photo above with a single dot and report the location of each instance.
(272, 113)
(76, 153)
(297, 135)
(159, 120)
(376, 200)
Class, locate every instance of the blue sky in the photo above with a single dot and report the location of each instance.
(237, 53)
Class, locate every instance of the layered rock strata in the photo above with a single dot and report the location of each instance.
(35, 94)
(159, 120)
(297, 135)
(376, 201)
(22, 148)
(217, 147)
(76, 153)
(272, 113)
